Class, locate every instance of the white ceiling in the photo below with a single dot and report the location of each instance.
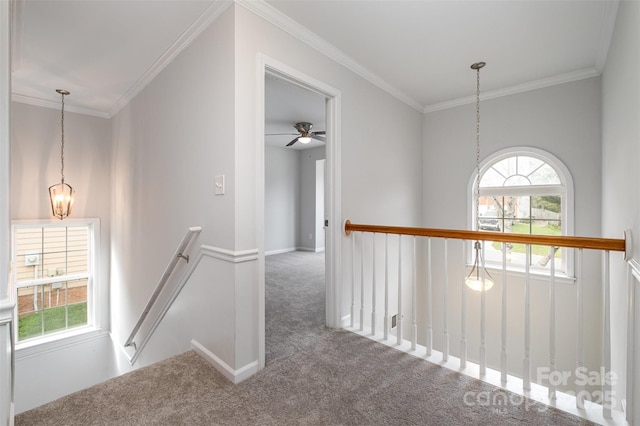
(106, 51)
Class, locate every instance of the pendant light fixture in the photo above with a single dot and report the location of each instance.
(61, 194)
(479, 278)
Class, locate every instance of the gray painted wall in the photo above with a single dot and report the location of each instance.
(282, 199)
(291, 199)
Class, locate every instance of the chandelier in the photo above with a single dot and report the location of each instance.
(478, 278)
(61, 194)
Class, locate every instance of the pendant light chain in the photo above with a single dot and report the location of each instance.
(61, 194)
(62, 138)
(477, 66)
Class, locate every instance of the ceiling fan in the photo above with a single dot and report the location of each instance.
(305, 134)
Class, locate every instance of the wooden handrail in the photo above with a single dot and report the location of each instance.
(610, 244)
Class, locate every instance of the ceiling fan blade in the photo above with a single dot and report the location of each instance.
(319, 137)
(292, 142)
(280, 134)
(320, 132)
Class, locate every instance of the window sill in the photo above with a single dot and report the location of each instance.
(57, 341)
(535, 276)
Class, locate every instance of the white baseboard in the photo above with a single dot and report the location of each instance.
(290, 249)
(309, 249)
(279, 251)
(235, 376)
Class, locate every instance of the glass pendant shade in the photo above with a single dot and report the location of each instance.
(304, 139)
(61, 195)
(474, 282)
(479, 278)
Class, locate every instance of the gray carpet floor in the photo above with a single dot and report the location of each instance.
(314, 376)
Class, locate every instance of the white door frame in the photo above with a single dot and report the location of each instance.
(267, 65)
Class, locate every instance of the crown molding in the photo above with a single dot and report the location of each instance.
(519, 88)
(215, 9)
(297, 30)
(16, 97)
(606, 33)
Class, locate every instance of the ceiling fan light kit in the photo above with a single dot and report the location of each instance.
(305, 134)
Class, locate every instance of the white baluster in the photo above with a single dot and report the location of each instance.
(526, 362)
(463, 303)
(580, 323)
(399, 315)
(429, 341)
(373, 286)
(552, 324)
(631, 320)
(353, 278)
(503, 352)
(362, 282)
(606, 357)
(483, 319)
(386, 286)
(445, 292)
(414, 307)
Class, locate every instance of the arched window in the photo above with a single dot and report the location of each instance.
(524, 191)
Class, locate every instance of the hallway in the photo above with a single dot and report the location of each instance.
(314, 376)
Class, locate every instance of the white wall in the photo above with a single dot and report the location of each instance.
(35, 159)
(66, 367)
(5, 216)
(563, 120)
(320, 205)
(621, 174)
(308, 236)
(282, 199)
(169, 143)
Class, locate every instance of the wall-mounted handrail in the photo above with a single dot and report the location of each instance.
(611, 244)
(179, 254)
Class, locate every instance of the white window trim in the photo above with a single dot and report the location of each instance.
(94, 309)
(566, 186)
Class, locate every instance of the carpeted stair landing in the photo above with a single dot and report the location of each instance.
(314, 376)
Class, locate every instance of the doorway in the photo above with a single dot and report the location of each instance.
(269, 68)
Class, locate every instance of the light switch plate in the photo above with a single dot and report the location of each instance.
(219, 185)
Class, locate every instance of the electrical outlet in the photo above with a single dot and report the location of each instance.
(394, 321)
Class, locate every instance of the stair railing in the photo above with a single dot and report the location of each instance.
(358, 300)
(178, 255)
